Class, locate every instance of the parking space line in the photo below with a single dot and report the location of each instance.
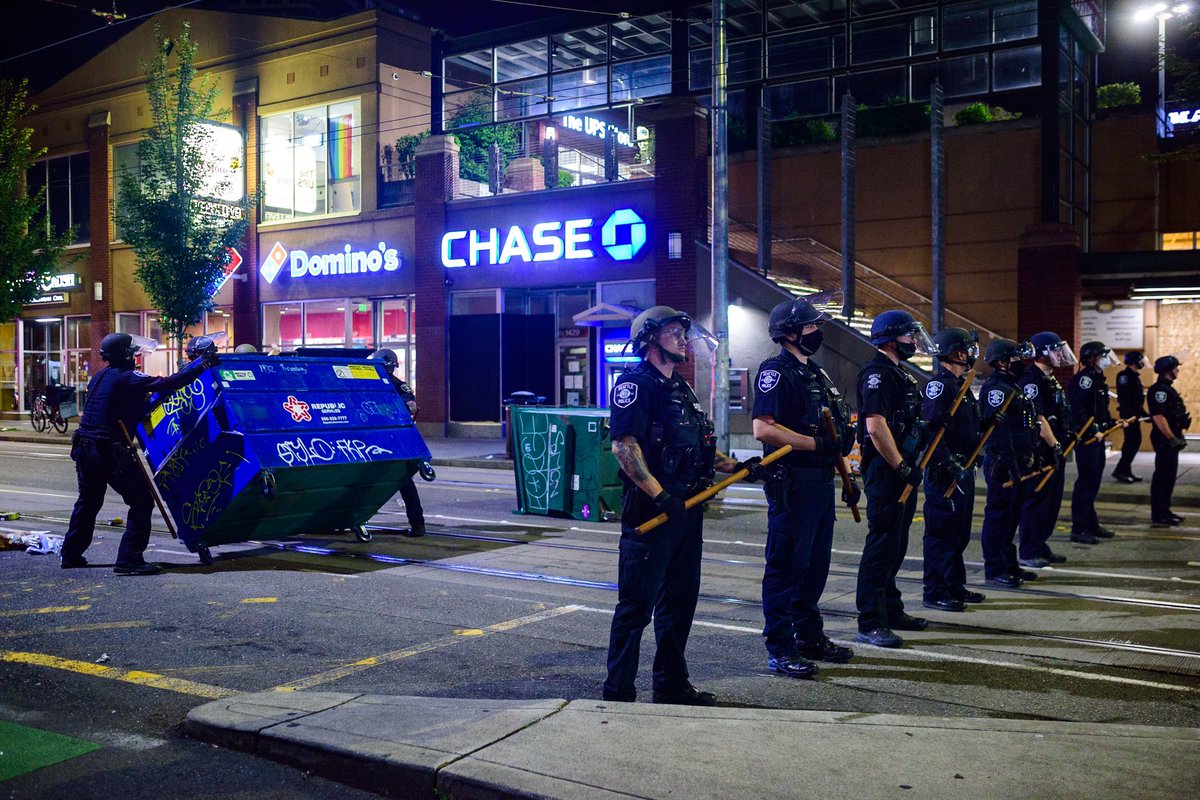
(47, 610)
(94, 626)
(136, 677)
(362, 664)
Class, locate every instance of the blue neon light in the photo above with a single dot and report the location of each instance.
(546, 242)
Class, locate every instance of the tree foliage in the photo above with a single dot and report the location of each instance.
(471, 124)
(29, 252)
(1116, 95)
(181, 245)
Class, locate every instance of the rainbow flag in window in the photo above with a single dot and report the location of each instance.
(341, 147)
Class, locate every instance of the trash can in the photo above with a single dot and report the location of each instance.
(268, 448)
(564, 464)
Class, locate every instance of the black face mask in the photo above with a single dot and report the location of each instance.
(810, 343)
(906, 350)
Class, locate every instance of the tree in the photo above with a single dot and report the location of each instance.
(471, 124)
(29, 252)
(179, 236)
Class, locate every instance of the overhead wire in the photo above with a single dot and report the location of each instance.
(105, 27)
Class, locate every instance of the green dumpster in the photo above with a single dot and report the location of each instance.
(564, 463)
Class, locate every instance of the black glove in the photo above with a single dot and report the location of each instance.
(1178, 443)
(1024, 464)
(753, 466)
(954, 469)
(910, 473)
(1058, 456)
(210, 359)
(825, 444)
(1187, 421)
(1000, 417)
(851, 497)
(1105, 425)
(670, 505)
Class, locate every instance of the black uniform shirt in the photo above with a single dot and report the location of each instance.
(1049, 400)
(1088, 394)
(1131, 394)
(962, 430)
(793, 393)
(1014, 441)
(662, 414)
(118, 393)
(1164, 400)
(884, 388)
(406, 394)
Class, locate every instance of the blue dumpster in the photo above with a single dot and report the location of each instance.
(268, 448)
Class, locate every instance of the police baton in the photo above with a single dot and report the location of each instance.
(1121, 423)
(982, 441)
(1066, 452)
(133, 454)
(840, 463)
(1037, 473)
(700, 497)
(937, 437)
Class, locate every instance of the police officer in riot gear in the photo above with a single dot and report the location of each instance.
(792, 390)
(891, 435)
(1009, 455)
(665, 446)
(1088, 395)
(948, 520)
(199, 346)
(117, 394)
(1056, 429)
(245, 349)
(1170, 417)
(408, 489)
(1131, 402)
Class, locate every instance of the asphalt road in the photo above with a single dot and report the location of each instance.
(497, 605)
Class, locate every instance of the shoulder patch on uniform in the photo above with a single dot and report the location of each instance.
(1160, 396)
(1031, 390)
(624, 394)
(996, 398)
(933, 389)
(873, 380)
(1085, 382)
(768, 379)
(1122, 379)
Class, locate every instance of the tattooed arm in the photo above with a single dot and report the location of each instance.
(633, 464)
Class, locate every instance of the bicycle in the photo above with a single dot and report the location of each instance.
(45, 415)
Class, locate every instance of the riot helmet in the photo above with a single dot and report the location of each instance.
(245, 348)
(388, 357)
(117, 347)
(1052, 347)
(1166, 364)
(948, 341)
(198, 346)
(791, 317)
(1098, 351)
(1135, 359)
(890, 325)
(1001, 353)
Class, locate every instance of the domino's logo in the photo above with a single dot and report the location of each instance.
(623, 234)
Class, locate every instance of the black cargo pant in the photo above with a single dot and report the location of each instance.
(1001, 515)
(1089, 460)
(412, 505)
(98, 466)
(1129, 448)
(658, 578)
(1166, 469)
(888, 522)
(1039, 514)
(947, 533)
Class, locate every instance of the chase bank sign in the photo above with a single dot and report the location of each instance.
(622, 236)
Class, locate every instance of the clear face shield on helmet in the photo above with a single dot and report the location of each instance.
(695, 337)
(1023, 353)
(1060, 355)
(1105, 361)
(143, 345)
(922, 339)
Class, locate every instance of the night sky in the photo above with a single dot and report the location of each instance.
(51, 24)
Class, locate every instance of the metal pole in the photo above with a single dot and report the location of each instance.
(720, 230)
(764, 188)
(1162, 77)
(937, 205)
(849, 118)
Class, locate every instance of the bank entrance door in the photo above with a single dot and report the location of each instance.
(573, 371)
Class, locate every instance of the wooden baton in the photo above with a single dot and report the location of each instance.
(133, 453)
(1121, 423)
(700, 497)
(1066, 452)
(840, 464)
(937, 438)
(979, 447)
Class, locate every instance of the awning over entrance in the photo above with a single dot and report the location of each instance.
(601, 313)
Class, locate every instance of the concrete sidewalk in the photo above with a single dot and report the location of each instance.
(476, 749)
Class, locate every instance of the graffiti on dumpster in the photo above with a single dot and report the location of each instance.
(184, 401)
(317, 450)
(206, 503)
(542, 460)
(371, 408)
(177, 464)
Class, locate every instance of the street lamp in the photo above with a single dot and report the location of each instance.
(1163, 11)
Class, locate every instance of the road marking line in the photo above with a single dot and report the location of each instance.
(47, 610)
(39, 494)
(95, 626)
(261, 600)
(355, 667)
(136, 677)
(952, 657)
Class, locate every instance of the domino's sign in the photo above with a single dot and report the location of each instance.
(621, 236)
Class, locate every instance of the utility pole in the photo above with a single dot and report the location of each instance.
(937, 157)
(720, 229)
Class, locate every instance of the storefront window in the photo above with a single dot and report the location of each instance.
(396, 334)
(43, 340)
(362, 318)
(78, 354)
(1170, 241)
(325, 323)
(311, 162)
(8, 367)
(282, 327)
(480, 302)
